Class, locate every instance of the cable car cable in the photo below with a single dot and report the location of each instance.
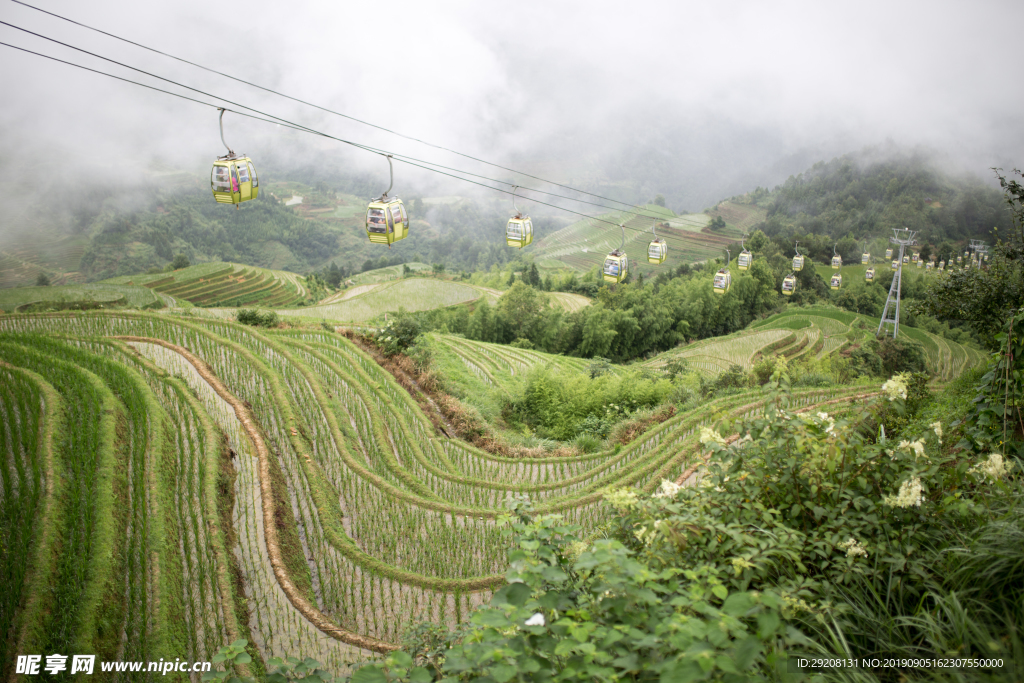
(289, 124)
(300, 126)
(325, 109)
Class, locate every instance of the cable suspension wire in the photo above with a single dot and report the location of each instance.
(331, 111)
(269, 118)
(377, 150)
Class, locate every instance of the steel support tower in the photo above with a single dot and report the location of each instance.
(980, 249)
(904, 238)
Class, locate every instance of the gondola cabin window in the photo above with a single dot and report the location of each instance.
(377, 222)
(221, 179)
(252, 173)
(611, 267)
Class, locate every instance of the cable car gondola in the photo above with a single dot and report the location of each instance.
(837, 281)
(745, 258)
(723, 278)
(519, 231)
(895, 264)
(657, 250)
(869, 275)
(386, 219)
(837, 260)
(616, 265)
(865, 258)
(798, 260)
(959, 260)
(915, 257)
(233, 178)
(789, 284)
(929, 265)
(888, 254)
(942, 265)
(906, 259)
(920, 263)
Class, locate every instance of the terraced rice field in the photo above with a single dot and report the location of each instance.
(225, 285)
(219, 481)
(570, 302)
(946, 358)
(79, 296)
(585, 244)
(22, 260)
(821, 331)
(412, 294)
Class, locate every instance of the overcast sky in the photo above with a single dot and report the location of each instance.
(550, 86)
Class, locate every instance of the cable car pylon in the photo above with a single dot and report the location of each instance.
(903, 238)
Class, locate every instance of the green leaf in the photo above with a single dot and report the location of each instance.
(400, 658)
(369, 674)
(720, 591)
(419, 675)
(502, 672)
(491, 617)
(513, 594)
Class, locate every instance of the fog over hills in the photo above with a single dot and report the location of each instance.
(695, 103)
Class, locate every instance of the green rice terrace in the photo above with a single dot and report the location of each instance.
(224, 285)
(818, 332)
(184, 482)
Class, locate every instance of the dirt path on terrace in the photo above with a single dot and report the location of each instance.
(248, 422)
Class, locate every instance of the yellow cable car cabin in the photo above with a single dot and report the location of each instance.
(386, 221)
(920, 263)
(869, 275)
(789, 285)
(916, 257)
(234, 180)
(519, 232)
(929, 265)
(906, 259)
(837, 262)
(865, 258)
(657, 251)
(744, 259)
(895, 264)
(798, 262)
(959, 260)
(888, 254)
(837, 281)
(723, 281)
(942, 265)
(616, 266)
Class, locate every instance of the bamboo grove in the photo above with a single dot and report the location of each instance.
(172, 484)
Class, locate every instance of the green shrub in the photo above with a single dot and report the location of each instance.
(399, 335)
(253, 317)
(562, 405)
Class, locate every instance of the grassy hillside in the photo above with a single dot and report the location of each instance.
(585, 243)
(372, 300)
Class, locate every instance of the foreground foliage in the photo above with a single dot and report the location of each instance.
(779, 551)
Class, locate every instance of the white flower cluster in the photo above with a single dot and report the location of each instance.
(709, 436)
(896, 387)
(916, 446)
(994, 468)
(668, 489)
(909, 495)
(825, 419)
(853, 548)
(937, 428)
